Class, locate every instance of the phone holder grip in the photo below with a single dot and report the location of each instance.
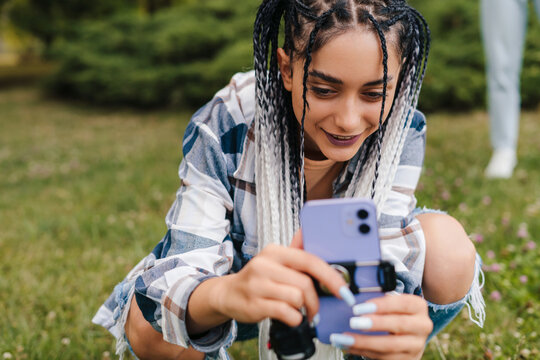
(387, 276)
(385, 273)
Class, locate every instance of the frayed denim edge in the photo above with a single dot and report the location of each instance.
(426, 210)
(473, 300)
(122, 343)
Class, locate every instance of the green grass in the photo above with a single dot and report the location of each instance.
(84, 193)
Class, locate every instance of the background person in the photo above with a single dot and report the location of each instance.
(504, 25)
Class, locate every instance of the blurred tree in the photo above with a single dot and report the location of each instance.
(49, 19)
(151, 6)
(185, 52)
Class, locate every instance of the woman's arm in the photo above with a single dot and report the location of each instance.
(276, 284)
(147, 343)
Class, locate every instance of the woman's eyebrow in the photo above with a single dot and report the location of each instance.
(331, 79)
(378, 82)
(325, 77)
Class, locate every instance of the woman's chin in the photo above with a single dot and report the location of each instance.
(341, 155)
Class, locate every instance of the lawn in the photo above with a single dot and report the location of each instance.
(84, 192)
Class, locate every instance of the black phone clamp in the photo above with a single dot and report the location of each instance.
(292, 343)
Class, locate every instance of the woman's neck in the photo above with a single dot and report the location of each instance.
(320, 176)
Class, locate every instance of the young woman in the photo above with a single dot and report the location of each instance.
(329, 114)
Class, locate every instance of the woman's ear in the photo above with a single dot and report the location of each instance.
(285, 68)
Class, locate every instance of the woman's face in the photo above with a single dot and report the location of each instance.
(345, 86)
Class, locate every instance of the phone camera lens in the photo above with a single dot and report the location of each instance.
(364, 228)
(362, 214)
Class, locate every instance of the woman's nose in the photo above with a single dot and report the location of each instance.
(349, 115)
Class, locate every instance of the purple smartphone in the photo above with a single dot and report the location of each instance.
(344, 233)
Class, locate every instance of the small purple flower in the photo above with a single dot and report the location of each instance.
(490, 254)
(445, 195)
(495, 295)
(531, 245)
(486, 200)
(522, 232)
(478, 238)
(495, 268)
(523, 279)
(513, 265)
(463, 207)
(505, 220)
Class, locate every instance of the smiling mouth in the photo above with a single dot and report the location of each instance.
(340, 140)
(337, 137)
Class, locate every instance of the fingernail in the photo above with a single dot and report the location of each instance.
(365, 308)
(347, 295)
(316, 319)
(361, 323)
(340, 340)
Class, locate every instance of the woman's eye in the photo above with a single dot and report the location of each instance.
(372, 95)
(322, 91)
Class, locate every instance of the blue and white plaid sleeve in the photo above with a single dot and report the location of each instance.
(197, 245)
(402, 237)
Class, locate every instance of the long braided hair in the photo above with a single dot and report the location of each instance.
(308, 25)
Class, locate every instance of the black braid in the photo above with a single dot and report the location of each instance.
(381, 129)
(265, 43)
(307, 62)
(305, 10)
(425, 41)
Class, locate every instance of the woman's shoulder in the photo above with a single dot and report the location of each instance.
(239, 96)
(221, 127)
(232, 105)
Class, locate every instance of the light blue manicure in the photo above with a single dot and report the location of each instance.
(341, 341)
(361, 323)
(316, 319)
(365, 308)
(347, 295)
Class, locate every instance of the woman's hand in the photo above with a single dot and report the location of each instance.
(404, 317)
(276, 283)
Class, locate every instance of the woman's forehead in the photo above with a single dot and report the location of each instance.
(359, 31)
(353, 53)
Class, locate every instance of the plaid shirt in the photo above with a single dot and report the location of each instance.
(212, 225)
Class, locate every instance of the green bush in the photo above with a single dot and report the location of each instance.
(178, 56)
(49, 20)
(184, 54)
